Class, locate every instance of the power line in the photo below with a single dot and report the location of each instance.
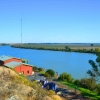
(20, 50)
(21, 30)
(20, 37)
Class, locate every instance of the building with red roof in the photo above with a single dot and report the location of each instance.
(17, 65)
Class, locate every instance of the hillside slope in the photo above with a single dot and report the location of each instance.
(17, 87)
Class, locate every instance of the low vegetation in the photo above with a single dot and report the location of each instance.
(37, 69)
(85, 92)
(49, 73)
(65, 77)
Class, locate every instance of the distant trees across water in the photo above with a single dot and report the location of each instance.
(59, 47)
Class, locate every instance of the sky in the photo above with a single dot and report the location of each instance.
(50, 21)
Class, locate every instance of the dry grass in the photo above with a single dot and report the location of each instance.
(17, 86)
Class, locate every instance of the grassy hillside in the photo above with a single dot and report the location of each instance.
(16, 87)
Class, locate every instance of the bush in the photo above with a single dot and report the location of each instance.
(50, 73)
(51, 92)
(98, 88)
(77, 82)
(47, 75)
(40, 69)
(88, 83)
(66, 77)
(35, 68)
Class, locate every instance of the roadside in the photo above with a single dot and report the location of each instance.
(64, 91)
(69, 93)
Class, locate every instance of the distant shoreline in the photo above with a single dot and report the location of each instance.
(80, 48)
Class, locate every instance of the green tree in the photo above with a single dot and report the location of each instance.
(40, 69)
(77, 82)
(47, 75)
(98, 88)
(35, 68)
(50, 73)
(65, 77)
(95, 71)
(91, 45)
(88, 83)
(67, 48)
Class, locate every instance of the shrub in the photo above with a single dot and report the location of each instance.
(88, 83)
(65, 77)
(47, 75)
(35, 68)
(40, 69)
(77, 82)
(50, 73)
(98, 88)
(51, 92)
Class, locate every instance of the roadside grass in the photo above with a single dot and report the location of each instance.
(85, 92)
(42, 72)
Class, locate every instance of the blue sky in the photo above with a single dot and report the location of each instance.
(52, 21)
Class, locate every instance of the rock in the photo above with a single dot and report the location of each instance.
(14, 98)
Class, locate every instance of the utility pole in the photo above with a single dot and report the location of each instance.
(21, 41)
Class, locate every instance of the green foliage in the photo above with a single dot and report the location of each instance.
(42, 72)
(58, 47)
(90, 94)
(35, 68)
(77, 82)
(67, 48)
(98, 56)
(85, 92)
(65, 77)
(91, 44)
(40, 69)
(49, 73)
(88, 83)
(98, 88)
(25, 61)
(95, 71)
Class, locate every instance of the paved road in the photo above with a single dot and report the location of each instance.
(34, 77)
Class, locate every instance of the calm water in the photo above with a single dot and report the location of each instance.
(75, 64)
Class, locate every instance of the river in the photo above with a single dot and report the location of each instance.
(73, 63)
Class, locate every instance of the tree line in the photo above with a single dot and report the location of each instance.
(65, 49)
